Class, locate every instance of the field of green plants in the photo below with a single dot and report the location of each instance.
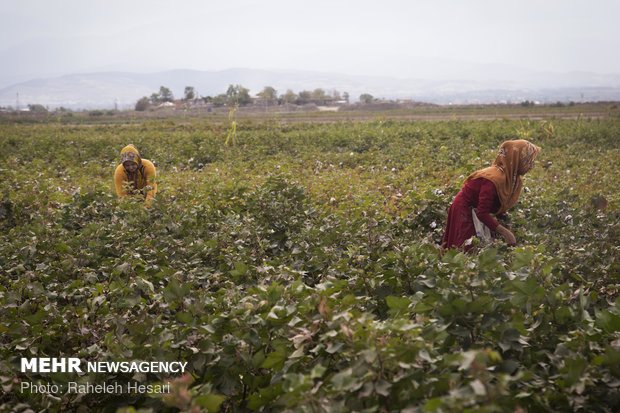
(299, 269)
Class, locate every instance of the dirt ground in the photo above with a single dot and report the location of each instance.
(600, 110)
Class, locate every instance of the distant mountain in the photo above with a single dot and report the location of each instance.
(122, 89)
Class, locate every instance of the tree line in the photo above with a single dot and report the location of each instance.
(237, 95)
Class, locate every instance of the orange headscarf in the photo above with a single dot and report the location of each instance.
(513, 160)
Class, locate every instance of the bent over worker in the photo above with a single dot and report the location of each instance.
(134, 175)
(491, 190)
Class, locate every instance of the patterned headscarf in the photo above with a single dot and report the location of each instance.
(130, 153)
(513, 161)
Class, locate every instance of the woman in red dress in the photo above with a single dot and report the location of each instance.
(488, 191)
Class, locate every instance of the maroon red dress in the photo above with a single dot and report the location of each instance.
(477, 193)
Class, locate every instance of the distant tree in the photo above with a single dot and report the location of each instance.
(268, 94)
(319, 96)
(165, 94)
(37, 108)
(366, 98)
(238, 95)
(143, 104)
(290, 96)
(336, 95)
(345, 96)
(304, 97)
(220, 100)
(189, 93)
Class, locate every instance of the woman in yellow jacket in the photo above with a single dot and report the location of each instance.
(135, 175)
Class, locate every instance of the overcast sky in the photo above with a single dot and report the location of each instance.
(402, 38)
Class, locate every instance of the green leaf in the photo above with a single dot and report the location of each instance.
(487, 260)
(608, 321)
(423, 307)
(275, 360)
(529, 288)
(264, 396)
(383, 387)
(334, 347)
(318, 371)
(522, 258)
(295, 382)
(573, 370)
(240, 270)
(211, 402)
(433, 405)
(185, 318)
(346, 381)
(174, 291)
(145, 285)
(397, 304)
(611, 359)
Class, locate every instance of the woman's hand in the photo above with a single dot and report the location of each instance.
(507, 234)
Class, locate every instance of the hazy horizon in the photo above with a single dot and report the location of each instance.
(403, 39)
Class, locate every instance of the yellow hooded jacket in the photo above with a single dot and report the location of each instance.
(142, 178)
